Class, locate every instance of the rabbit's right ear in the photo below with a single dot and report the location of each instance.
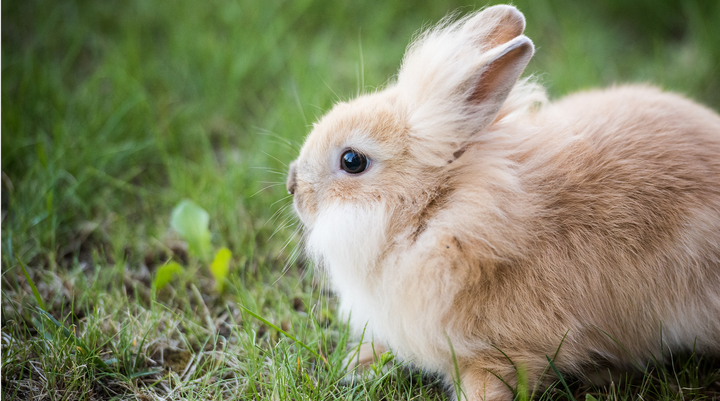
(489, 87)
(455, 77)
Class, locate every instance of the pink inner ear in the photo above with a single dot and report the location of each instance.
(500, 75)
(509, 26)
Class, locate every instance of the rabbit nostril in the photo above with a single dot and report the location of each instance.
(291, 181)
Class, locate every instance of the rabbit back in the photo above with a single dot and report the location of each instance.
(615, 222)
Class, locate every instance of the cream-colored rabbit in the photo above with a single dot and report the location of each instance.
(456, 207)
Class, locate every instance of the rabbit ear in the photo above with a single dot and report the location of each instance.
(492, 84)
(455, 77)
(494, 26)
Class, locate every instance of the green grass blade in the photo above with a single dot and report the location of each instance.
(137, 356)
(285, 333)
(456, 380)
(506, 357)
(562, 379)
(35, 291)
(557, 351)
(57, 324)
(503, 382)
(76, 341)
(637, 363)
(144, 373)
(356, 349)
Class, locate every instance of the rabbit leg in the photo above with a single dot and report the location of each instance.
(481, 384)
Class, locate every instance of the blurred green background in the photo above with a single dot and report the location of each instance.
(114, 111)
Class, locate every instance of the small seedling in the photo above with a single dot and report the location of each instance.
(220, 267)
(382, 361)
(191, 222)
(165, 273)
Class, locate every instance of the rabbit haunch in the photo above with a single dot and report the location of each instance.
(491, 220)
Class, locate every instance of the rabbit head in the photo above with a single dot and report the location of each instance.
(372, 165)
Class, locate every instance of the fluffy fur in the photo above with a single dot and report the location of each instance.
(491, 220)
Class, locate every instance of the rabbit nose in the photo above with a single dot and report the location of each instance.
(291, 182)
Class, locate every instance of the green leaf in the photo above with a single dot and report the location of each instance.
(165, 274)
(220, 267)
(191, 222)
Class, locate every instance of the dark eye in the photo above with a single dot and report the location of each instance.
(353, 162)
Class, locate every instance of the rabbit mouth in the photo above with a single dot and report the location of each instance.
(298, 205)
(305, 204)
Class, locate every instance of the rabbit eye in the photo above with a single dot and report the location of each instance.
(353, 162)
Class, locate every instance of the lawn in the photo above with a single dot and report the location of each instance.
(113, 113)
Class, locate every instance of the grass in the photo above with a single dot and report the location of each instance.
(113, 112)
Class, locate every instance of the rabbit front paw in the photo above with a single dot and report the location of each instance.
(369, 357)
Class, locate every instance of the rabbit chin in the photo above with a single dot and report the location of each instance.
(347, 240)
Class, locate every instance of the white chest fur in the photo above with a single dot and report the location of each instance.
(378, 293)
(347, 241)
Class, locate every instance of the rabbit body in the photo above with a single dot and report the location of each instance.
(488, 229)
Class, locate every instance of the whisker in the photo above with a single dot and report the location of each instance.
(293, 144)
(294, 255)
(269, 186)
(299, 103)
(290, 238)
(282, 227)
(337, 97)
(281, 199)
(269, 170)
(286, 268)
(361, 84)
(308, 270)
(278, 160)
(291, 147)
(281, 210)
(276, 214)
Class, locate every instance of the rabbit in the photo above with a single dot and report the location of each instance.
(474, 228)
